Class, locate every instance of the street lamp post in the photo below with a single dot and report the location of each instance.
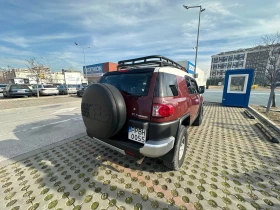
(84, 57)
(196, 48)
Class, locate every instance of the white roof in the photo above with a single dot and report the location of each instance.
(171, 70)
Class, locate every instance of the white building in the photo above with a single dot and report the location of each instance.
(201, 76)
(25, 76)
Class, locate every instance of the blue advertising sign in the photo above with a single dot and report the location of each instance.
(190, 67)
(93, 69)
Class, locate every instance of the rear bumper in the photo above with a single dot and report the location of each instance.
(151, 148)
(21, 94)
(49, 93)
(157, 148)
(160, 139)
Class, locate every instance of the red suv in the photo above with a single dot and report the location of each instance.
(144, 108)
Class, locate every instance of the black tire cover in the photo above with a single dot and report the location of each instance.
(103, 110)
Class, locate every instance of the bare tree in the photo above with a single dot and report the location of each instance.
(39, 71)
(272, 42)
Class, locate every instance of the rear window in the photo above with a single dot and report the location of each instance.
(164, 85)
(13, 87)
(136, 84)
(49, 86)
(71, 86)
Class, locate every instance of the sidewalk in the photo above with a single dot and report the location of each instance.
(229, 164)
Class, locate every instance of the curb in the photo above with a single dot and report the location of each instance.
(39, 150)
(249, 114)
(266, 132)
(262, 117)
(35, 98)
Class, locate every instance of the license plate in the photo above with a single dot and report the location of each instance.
(137, 134)
(21, 91)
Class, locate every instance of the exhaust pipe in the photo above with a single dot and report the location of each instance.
(140, 161)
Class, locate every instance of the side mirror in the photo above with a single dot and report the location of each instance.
(201, 89)
(174, 90)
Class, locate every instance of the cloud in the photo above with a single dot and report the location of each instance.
(126, 29)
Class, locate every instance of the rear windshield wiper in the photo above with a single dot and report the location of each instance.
(127, 93)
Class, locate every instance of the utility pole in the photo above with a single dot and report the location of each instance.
(197, 38)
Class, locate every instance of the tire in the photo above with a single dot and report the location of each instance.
(199, 118)
(179, 152)
(104, 117)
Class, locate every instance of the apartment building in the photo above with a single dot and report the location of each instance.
(256, 58)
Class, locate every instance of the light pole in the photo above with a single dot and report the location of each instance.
(84, 57)
(196, 48)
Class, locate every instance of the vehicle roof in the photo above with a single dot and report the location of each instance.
(165, 69)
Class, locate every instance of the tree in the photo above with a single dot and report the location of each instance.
(272, 68)
(39, 71)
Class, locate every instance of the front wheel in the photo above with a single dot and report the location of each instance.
(179, 150)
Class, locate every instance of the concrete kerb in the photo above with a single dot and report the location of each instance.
(39, 150)
(36, 98)
(263, 118)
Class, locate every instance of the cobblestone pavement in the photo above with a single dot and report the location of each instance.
(229, 165)
(26, 102)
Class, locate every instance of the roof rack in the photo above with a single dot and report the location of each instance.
(147, 61)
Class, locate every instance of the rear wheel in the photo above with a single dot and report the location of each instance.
(179, 150)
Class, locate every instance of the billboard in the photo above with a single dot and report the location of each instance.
(94, 70)
(72, 78)
(190, 67)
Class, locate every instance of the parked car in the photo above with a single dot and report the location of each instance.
(17, 90)
(67, 89)
(45, 89)
(144, 109)
(2, 86)
(80, 92)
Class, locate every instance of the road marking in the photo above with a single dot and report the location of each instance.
(36, 127)
(64, 110)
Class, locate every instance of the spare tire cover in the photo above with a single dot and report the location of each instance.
(103, 110)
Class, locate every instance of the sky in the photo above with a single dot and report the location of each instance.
(117, 30)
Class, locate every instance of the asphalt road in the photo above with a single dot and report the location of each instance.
(256, 97)
(28, 128)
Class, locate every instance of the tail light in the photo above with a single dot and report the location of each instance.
(67, 88)
(162, 110)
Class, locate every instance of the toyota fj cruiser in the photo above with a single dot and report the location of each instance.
(144, 108)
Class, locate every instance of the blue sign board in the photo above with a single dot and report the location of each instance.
(237, 87)
(190, 67)
(93, 69)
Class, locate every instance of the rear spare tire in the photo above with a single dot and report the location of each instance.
(103, 110)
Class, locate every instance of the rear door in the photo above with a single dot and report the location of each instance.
(194, 96)
(137, 90)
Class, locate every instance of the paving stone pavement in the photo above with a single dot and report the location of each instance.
(229, 165)
(28, 102)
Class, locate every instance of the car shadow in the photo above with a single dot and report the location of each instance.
(81, 170)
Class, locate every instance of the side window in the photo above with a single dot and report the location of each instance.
(166, 85)
(194, 85)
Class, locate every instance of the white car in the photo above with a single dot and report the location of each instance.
(2, 86)
(45, 89)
